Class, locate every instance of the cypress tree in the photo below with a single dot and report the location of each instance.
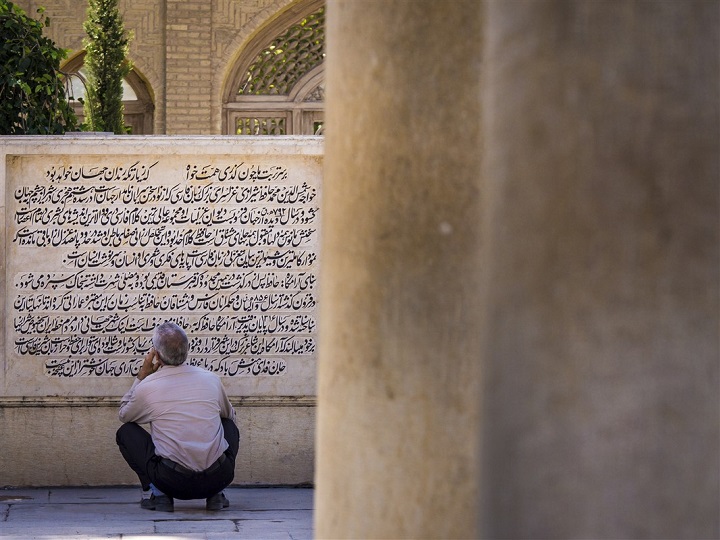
(106, 47)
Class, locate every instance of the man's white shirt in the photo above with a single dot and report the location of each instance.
(183, 405)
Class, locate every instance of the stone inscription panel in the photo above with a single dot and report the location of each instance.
(100, 250)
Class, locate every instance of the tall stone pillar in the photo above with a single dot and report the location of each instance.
(602, 188)
(399, 356)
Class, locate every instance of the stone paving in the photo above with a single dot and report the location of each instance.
(89, 513)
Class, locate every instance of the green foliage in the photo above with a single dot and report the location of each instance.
(106, 47)
(288, 58)
(32, 91)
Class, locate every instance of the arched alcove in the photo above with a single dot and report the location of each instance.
(277, 85)
(137, 98)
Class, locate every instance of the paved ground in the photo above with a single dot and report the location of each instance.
(85, 513)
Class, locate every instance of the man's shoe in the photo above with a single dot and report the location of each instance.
(217, 502)
(162, 503)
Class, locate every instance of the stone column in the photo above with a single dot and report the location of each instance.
(602, 187)
(399, 356)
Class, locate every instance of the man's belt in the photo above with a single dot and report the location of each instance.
(170, 464)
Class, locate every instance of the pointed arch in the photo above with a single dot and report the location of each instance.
(277, 84)
(138, 99)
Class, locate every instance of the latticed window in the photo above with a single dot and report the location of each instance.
(283, 63)
(279, 89)
(260, 126)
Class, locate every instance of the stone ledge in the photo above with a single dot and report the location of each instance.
(76, 401)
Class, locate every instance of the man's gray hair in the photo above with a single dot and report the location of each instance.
(171, 343)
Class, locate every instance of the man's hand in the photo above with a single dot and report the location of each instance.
(150, 365)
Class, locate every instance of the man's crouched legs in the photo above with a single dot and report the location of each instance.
(138, 450)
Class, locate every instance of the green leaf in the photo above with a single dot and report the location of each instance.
(31, 95)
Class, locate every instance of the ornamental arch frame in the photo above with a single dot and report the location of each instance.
(300, 111)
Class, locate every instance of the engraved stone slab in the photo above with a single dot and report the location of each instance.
(102, 244)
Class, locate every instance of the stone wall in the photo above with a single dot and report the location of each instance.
(106, 237)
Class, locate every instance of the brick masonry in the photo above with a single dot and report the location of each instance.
(184, 50)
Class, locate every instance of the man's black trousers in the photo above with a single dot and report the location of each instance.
(137, 448)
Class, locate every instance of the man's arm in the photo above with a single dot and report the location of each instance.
(132, 409)
(150, 365)
(226, 408)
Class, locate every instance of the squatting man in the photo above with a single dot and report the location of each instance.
(193, 441)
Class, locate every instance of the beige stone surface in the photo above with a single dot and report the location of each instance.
(56, 446)
(398, 377)
(577, 266)
(602, 415)
(66, 415)
(75, 446)
(102, 247)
